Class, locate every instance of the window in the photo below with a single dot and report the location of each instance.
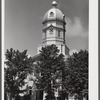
(58, 33)
(44, 34)
(51, 14)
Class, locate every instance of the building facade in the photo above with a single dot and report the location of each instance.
(54, 30)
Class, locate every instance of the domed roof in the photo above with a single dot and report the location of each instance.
(53, 14)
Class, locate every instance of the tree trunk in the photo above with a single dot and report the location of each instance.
(8, 96)
(49, 91)
(12, 98)
(66, 96)
(63, 78)
(80, 97)
(48, 97)
(87, 97)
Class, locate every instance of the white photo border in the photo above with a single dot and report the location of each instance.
(93, 49)
(2, 45)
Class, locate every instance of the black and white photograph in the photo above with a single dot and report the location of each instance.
(47, 50)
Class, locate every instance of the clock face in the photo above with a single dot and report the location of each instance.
(51, 29)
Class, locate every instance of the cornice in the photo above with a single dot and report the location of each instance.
(53, 27)
(54, 20)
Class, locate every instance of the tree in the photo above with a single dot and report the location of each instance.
(18, 65)
(76, 80)
(50, 67)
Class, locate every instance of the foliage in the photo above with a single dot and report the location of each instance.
(50, 65)
(76, 80)
(18, 65)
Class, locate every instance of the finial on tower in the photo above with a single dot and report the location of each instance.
(54, 4)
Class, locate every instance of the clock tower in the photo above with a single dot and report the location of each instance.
(54, 29)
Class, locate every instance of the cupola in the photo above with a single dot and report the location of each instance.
(53, 14)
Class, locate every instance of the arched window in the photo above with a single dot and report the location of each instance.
(44, 34)
(58, 33)
(51, 14)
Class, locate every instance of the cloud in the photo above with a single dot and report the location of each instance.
(75, 28)
(72, 51)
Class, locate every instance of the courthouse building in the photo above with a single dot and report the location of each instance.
(54, 30)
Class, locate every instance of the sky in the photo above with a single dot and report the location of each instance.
(23, 23)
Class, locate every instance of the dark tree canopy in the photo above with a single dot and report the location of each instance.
(51, 64)
(51, 72)
(76, 80)
(18, 65)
